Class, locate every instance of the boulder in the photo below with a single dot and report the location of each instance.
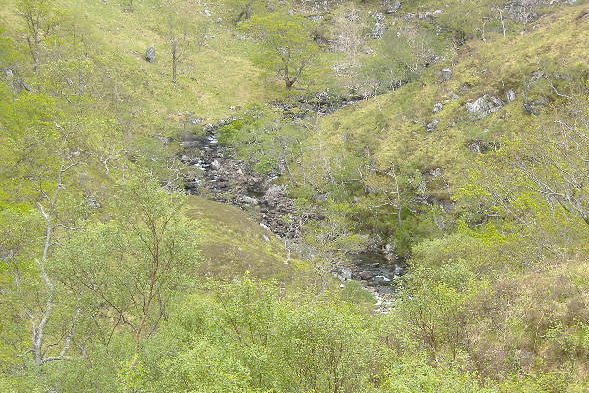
(432, 125)
(484, 106)
(446, 74)
(273, 195)
(343, 273)
(437, 107)
(380, 280)
(150, 54)
(249, 200)
(392, 6)
(215, 165)
(510, 95)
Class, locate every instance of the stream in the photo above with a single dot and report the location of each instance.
(219, 176)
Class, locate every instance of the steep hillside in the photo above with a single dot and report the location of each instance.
(286, 196)
(424, 136)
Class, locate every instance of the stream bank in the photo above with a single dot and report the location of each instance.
(218, 175)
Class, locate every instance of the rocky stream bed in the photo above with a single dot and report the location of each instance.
(221, 177)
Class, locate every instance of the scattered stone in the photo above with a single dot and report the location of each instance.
(453, 96)
(432, 125)
(446, 74)
(475, 146)
(92, 202)
(534, 107)
(249, 200)
(510, 95)
(215, 165)
(392, 6)
(150, 54)
(484, 106)
(273, 194)
(207, 13)
(437, 107)
(343, 273)
(379, 27)
(380, 280)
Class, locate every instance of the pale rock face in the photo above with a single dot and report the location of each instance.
(510, 95)
(484, 106)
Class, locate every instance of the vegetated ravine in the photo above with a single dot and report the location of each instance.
(221, 177)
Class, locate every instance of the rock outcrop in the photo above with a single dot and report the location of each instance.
(484, 106)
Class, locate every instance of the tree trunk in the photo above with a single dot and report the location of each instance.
(174, 62)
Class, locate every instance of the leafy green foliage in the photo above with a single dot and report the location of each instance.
(291, 51)
(101, 283)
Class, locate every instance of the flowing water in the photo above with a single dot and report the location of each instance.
(219, 176)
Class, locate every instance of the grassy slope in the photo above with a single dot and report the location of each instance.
(394, 124)
(210, 81)
(235, 243)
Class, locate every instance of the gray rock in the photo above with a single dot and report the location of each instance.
(379, 27)
(273, 195)
(534, 107)
(249, 200)
(392, 6)
(92, 202)
(343, 273)
(432, 125)
(437, 107)
(150, 54)
(510, 95)
(380, 280)
(216, 165)
(446, 74)
(484, 106)
(23, 85)
(475, 146)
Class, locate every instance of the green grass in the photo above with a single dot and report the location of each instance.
(392, 126)
(211, 79)
(235, 243)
